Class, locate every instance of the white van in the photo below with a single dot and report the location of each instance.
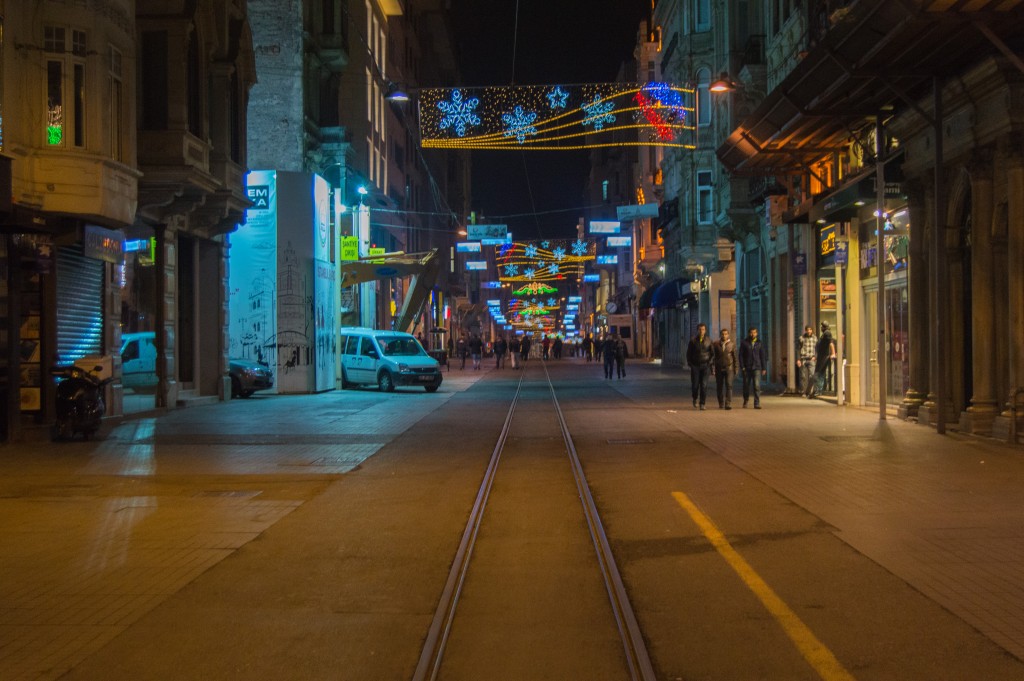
(387, 358)
(138, 361)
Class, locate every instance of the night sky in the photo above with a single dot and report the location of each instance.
(559, 41)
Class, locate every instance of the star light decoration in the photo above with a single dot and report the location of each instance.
(531, 262)
(546, 117)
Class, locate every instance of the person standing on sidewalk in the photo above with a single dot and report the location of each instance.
(620, 356)
(462, 348)
(700, 356)
(754, 365)
(513, 350)
(825, 352)
(500, 348)
(806, 353)
(608, 353)
(476, 350)
(725, 368)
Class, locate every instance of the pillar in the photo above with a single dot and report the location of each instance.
(919, 309)
(984, 405)
(1015, 282)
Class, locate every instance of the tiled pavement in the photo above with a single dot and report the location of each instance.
(942, 512)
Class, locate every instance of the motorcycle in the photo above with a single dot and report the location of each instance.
(79, 402)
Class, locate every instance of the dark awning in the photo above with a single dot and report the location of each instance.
(879, 55)
(671, 292)
(644, 301)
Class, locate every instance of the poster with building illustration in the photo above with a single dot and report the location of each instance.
(252, 275)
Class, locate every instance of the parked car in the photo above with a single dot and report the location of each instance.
(138, 361)
(247, 377)
(387, 358)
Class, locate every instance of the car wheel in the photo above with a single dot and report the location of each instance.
(385, 382)
(245, 393)
(431, 388)
(345, 383)
(236, 387)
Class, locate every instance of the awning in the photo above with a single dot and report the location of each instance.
(878, 56)
(671, 292)
(644, 301)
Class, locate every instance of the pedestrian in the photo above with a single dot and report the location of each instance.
(806, 349)
(754, 365)
(588, 348)
(500, 348)
(556, 347)
(525, 346)
(700, 357)
(476, 350)
(608, 352)
(514, 349)
(620, 357)
(462, 349)
(824, 353)
(725, 368)
(545, 345)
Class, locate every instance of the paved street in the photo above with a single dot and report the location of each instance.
(108, 548)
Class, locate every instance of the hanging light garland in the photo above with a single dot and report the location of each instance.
(547, 117)
(543, 261)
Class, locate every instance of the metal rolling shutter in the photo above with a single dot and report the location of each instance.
(79, 305)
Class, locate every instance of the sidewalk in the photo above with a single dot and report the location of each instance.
(943, 512)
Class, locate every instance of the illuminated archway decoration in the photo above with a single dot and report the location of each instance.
(544, 261)
(535, 288)
(546, 117)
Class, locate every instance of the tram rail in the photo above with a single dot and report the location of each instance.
(436, 642)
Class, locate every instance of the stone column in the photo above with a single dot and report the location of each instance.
(1015, 279)
(984, 406)
(919, 308)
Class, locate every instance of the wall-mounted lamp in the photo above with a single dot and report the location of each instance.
(723, 84)
(396, 93)
(361, 190)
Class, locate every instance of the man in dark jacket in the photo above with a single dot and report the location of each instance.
(725, 368)
(700, 357)
(754, 365)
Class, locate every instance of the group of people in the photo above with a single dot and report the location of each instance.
(613, 349)
(721, 360)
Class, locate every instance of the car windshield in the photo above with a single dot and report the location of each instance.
(401, 347)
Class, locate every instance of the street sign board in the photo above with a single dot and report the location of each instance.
(644, 210)
(477, 232)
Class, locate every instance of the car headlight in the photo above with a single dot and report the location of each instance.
(404, 368)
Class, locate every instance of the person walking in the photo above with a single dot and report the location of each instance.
(620, 357)
(700, 356)
(462, 349)
(806, 349)
(588, 348)
(476, 350)
(545, 345)
(608, 352)
(556, 347)
(500, 348)
(824, 353)
(725, 368)
(514, 349)
(754, 365)
(525, 346)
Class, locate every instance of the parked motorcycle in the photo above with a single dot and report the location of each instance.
(79, 406)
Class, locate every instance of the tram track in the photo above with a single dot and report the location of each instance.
(436, 644)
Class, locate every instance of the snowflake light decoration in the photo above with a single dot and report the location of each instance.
(557, 97)
(530, 251)
(598, 112)
(529, 272)
(558, 253)
(458, 113)
(545, 244)
(512, 270)
(553, 268)
(552, 302)
(519, 124)
(579, 247)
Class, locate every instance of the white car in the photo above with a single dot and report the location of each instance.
(387, 358)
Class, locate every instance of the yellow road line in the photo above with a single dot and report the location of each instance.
(813, 650)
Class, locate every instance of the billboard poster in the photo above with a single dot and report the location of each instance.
(324, 324)
(827, 293)
(296, 233)
(478, 232)
(604, 227)
(252, 275)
